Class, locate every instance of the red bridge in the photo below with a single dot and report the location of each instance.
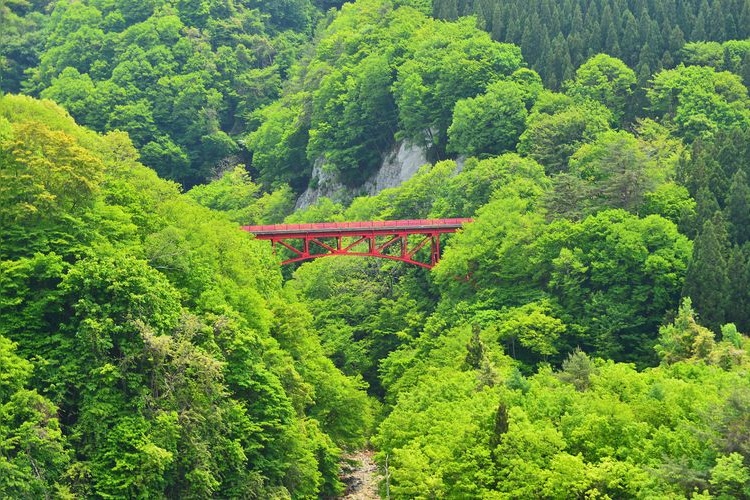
(402, 240)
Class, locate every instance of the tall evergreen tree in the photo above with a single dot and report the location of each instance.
(706, 205)
(630, 43)
(698, 32)
(738, 208)
(716, 22)
(707, 281)
(743, 21)
(738, 306)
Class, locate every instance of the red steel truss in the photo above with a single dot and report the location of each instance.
(399, 240)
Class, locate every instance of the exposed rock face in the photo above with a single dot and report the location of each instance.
(398, 167)
(325, 184)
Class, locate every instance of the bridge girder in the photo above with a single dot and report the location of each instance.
(400, 240)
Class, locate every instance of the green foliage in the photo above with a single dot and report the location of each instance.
(148, 348)
(613, 275)
(577, 370)
(707, 281)
(731, 55)
(699, 100)
(490, 123)
(556, 37)
(353, 118)
(382, 72)
(480, 180)
(237, 195)
(450, 61)
(33, 452)
(556, 129)
(594, 428)
(179, 78)
(613, 171)
(534, 327)
(45, 173)
(606, 80)
(33, 455)
(729, 477)
(148, 324)
(673, 202)
(278, 144)
(684, 339)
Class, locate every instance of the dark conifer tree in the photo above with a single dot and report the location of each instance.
(621, 28)
(676, 39)
(655, 41)
(611, 43)
(644, 22)
(737, 208)
(716, 26)
(562, 66)
(607, 28)
(498, 30)
(722, 233)
(744, 71)
(730, 22)
(707, 281)
(575, 49)
(576, 21)
(514, 26)
(630, 44)
(445, 9)
(533, 39)
(738, 307)
(592, 39)
(474, 350)
(707, 205)
(743, 21)
(698, 34)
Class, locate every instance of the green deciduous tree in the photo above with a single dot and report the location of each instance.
(490, 123)
(557, 129)
(606, 80)
(729, 477)
(278, 144)
(33, 452)
(451, 61)
(615, 169)
(535, 328)
(699, 100)
(684, 339)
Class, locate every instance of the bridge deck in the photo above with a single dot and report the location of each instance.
(355, 228)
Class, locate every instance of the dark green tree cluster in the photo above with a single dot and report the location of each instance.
(21, 40)
(381, 73)
(146, 346)
(180, 77)
(557, 37)
(716, 173)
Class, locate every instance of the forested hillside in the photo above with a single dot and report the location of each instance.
(557, 37)
(586, 336)
(180, 77)
(148, 349)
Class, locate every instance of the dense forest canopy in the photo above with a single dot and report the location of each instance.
(585, 336)
(648, 35)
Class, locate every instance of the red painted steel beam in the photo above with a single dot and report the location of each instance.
(362, 233)
(351, 228)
